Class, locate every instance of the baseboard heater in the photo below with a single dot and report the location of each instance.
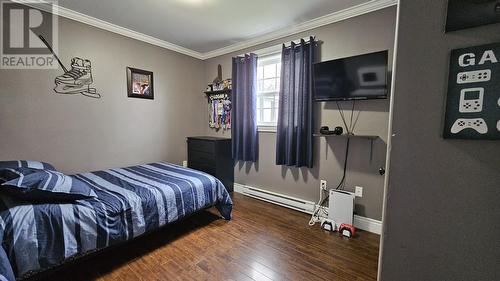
(300, 205)
(276, 198)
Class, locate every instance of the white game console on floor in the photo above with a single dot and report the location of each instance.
(341, 207)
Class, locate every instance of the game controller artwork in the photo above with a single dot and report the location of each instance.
(473, 100)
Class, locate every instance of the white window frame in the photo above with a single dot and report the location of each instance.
(266, 59)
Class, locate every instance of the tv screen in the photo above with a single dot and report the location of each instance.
(358, 77)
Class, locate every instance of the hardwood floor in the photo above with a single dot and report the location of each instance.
(262, 242)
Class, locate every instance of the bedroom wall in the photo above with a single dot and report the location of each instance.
(442, 214)
(363, 34)
(78, 134)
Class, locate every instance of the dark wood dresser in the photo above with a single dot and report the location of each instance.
(212, 155)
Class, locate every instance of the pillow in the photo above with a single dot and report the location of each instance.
(43, 185)
(26, 164)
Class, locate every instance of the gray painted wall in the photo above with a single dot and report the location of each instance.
(363, 34)
(442, 214)
(80, 134)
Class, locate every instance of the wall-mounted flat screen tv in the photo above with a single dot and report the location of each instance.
(352, 78)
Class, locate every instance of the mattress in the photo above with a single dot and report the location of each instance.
(130, 202)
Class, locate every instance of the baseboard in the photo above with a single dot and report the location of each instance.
(275, 198)
(367, 224)
(301, 205)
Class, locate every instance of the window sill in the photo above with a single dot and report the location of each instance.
(266, 129)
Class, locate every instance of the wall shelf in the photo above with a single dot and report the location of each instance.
(366, 137)
(370, 137)
(210, 93)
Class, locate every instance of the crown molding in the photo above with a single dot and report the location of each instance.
(83, 18)
(70, 14)
(358, 10)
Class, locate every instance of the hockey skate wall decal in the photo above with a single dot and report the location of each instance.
(77, 80)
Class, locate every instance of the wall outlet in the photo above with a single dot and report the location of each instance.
(322, 184)
(358, 191)
(184, 164)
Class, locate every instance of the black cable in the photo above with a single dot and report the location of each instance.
(342, 115)
(342, 181)
(340, 186)
(355, 121)
(352, 113)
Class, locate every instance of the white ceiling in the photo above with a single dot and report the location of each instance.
(207, 25)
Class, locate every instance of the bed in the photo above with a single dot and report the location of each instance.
(129, 202)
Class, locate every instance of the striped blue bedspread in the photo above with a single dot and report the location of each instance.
(130, 201)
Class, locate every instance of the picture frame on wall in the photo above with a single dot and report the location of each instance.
(140, 83)
(464, 14)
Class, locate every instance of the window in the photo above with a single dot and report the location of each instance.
(268, 86)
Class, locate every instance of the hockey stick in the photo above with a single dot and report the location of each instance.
(52, 51)
(90, 92)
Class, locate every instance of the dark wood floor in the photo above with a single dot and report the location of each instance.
(262, 242)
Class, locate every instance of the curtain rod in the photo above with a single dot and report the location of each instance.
(277, 48)
(306, 39)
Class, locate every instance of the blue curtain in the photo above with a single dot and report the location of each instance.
(244, 111)
(294, 133)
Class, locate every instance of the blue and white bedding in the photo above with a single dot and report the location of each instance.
(130, 202)
(43, 185)
(26, 164)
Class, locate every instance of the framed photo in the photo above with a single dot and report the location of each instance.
(464, 14)
(140, 83)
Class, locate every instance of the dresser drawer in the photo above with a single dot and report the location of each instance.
(202, 146)
(201, 157)
(203, 167)
(213, 156)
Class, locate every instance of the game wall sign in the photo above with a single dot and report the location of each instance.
(471, 13)
(473, 100)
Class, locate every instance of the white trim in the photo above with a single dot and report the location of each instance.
(79, 17)
(275, 198)
(390, 135)
(239, 188)
(274, 50)
(301, 205)
(267, 129)
(368, 224)
(273, 58)
(268, 51)
(358, 10)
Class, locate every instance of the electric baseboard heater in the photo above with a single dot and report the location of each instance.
(341, 207)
